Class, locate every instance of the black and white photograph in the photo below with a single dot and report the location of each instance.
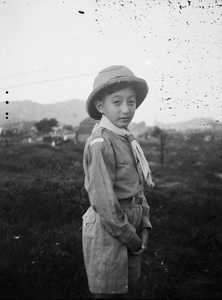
(110, 149)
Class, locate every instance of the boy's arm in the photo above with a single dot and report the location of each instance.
(99, 166)
(145, 217)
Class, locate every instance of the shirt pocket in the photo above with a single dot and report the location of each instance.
(126, 172)
(89, 223)
(124, 159)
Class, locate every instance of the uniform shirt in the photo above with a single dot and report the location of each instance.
(111, 174)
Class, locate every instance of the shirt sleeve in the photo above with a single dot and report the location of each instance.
(145, 223)
(99, 166)
(145, 216)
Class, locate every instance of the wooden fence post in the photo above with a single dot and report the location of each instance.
(161, 148)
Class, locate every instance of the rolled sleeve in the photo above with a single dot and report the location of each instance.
(145, 223)
(134, 244)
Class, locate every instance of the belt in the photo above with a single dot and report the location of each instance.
(137, 199)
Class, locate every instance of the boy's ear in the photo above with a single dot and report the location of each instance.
(99, 106)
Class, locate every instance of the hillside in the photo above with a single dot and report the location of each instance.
(70, 112)
(194, 124)
(42, 201)
(73, 112)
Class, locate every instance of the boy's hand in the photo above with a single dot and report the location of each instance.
(144, 241)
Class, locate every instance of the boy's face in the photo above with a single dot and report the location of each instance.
(119, 107)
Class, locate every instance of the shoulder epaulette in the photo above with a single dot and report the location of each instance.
(97, 136)
(96, 140)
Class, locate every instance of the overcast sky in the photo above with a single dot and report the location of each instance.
(51, 51)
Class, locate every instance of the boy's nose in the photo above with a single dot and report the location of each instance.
(125, 108)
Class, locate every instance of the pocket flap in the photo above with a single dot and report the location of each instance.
(123, 159)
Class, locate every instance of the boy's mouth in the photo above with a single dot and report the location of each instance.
(125, 119)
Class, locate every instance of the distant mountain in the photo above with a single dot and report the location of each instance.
(73, 112)
(70, 112)
(198, 124)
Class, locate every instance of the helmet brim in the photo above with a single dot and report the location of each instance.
(138, 84)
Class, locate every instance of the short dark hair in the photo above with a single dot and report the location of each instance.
(112, 89)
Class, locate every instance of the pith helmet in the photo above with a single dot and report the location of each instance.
(111, 76)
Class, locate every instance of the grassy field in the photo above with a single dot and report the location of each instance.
(42, 200)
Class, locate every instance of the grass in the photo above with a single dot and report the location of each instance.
(42, 200)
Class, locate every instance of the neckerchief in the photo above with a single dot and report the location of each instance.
(137, 150)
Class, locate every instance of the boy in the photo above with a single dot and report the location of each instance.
(116, 225)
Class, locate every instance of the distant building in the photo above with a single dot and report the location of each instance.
(84, 130)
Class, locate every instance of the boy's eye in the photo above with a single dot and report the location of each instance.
(133, 101)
